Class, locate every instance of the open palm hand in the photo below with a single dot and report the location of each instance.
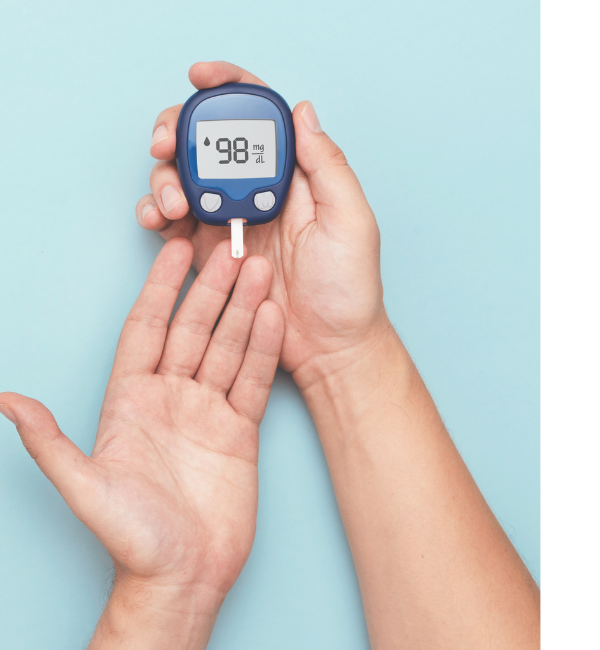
(170, 488)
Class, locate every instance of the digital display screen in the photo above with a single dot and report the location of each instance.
(236, 149)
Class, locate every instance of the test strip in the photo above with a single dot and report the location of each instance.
(237, 238)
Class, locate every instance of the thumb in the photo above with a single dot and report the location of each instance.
(67, 467)
(341, 202)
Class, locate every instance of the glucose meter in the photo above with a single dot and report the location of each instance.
(236, 152)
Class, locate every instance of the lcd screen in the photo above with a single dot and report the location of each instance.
(236, 149)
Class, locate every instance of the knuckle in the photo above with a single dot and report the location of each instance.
(146, 319)
(256, 381)
(177, 369)
(158, 169)
(196, 328)
(247, 414)
(337, 158)
(168, 114)
(334, 158)
(229, 345)
(211, 386)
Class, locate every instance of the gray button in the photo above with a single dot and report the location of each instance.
(264, 201)
(210, 202)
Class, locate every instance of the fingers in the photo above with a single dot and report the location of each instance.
(252, 386)
(65, 465)
(228, 344)
(162, 145)
(340, 200)
(192, 325)
(209, 74)
(169, 202)
(167, 191)
(151, 218)
(143, 336)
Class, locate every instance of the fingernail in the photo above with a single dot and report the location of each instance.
(147, 209)
(7, 413)
(310, 118)
(159, 135)
(170, 197)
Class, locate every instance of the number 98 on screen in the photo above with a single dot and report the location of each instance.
(236, 149)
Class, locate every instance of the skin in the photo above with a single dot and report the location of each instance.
(435, 568)
(324, 246)
(171, 486)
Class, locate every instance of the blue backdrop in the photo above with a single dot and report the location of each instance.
(436, 106)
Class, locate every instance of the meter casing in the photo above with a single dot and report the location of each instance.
(235, 101)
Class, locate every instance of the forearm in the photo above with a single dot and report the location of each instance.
(434, 565)
(146, 616)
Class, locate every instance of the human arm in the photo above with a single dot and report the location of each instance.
(436, 570)
(170, 488)
(435, 567)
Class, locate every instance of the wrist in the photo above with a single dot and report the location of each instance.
(152, 615)
(323, 368)
(344, 387)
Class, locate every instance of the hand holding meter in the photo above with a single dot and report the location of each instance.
(235, 155)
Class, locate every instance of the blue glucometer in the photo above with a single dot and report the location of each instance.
(235, 155)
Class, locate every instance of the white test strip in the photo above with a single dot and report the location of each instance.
(237, 238)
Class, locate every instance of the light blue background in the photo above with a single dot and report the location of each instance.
(436, 106)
